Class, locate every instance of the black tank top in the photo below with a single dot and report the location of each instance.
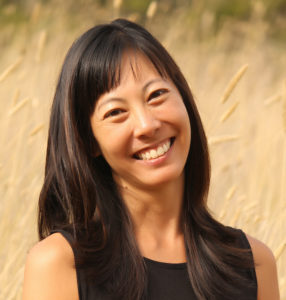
(166, 281)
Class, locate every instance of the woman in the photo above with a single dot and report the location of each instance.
(122, 212)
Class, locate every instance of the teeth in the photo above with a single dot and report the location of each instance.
(160, 151)
(154, 153)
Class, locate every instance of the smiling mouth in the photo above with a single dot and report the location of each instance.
(155, 152)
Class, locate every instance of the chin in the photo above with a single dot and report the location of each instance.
(160, 181)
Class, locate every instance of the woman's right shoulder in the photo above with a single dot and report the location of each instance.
(53, 250)
(50, 270)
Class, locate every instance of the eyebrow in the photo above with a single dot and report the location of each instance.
(145, 87)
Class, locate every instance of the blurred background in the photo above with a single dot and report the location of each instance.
(233, 56)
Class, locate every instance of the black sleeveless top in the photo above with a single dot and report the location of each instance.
(166, 281)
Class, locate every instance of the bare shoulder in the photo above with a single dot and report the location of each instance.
(266, 270)
(53, 249)
(50, 271)
(262, 253)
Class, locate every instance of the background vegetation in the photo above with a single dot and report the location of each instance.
(233, 55)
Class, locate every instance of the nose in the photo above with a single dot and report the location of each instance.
(146, 123)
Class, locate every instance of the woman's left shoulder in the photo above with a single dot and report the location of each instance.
(266, 270)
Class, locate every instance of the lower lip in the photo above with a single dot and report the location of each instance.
(158, 160)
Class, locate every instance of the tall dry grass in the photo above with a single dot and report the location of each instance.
(241, 107)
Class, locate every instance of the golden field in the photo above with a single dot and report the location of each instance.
(239, 81)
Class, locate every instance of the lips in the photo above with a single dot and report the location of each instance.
(155, 151)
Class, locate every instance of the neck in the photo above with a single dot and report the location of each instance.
(156, 215)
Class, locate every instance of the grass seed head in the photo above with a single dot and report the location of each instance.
(151, 10)
(18, 106)
(229, 112)
(41, 44)
(284, 107)
(233, 82)
(222, 138)
(10, 69)
(117, 4)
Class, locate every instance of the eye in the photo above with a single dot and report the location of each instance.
(157, 93)
(113, 113)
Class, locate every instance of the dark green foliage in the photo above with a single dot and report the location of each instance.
(192, 11)
(239, 9)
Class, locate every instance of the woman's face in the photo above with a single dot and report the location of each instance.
(142, 127)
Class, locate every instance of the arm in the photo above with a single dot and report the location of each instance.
(266, 271)
(50, 271)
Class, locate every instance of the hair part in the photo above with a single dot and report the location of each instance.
(80, 195)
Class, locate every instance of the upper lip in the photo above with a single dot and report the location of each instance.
(152, 146)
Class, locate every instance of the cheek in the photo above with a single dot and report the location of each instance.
(186, 121)
(178, 113)
(183, 121)
(113, 142)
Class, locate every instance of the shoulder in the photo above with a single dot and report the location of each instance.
(54, 248)
(50, 272)
(265, 268)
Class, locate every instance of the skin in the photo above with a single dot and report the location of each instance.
(50, 271)
(142, 111)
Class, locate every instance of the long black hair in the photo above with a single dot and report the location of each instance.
(80, 195)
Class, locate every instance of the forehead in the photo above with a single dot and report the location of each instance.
(135, 74)
(136, 66)
(133, 70)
